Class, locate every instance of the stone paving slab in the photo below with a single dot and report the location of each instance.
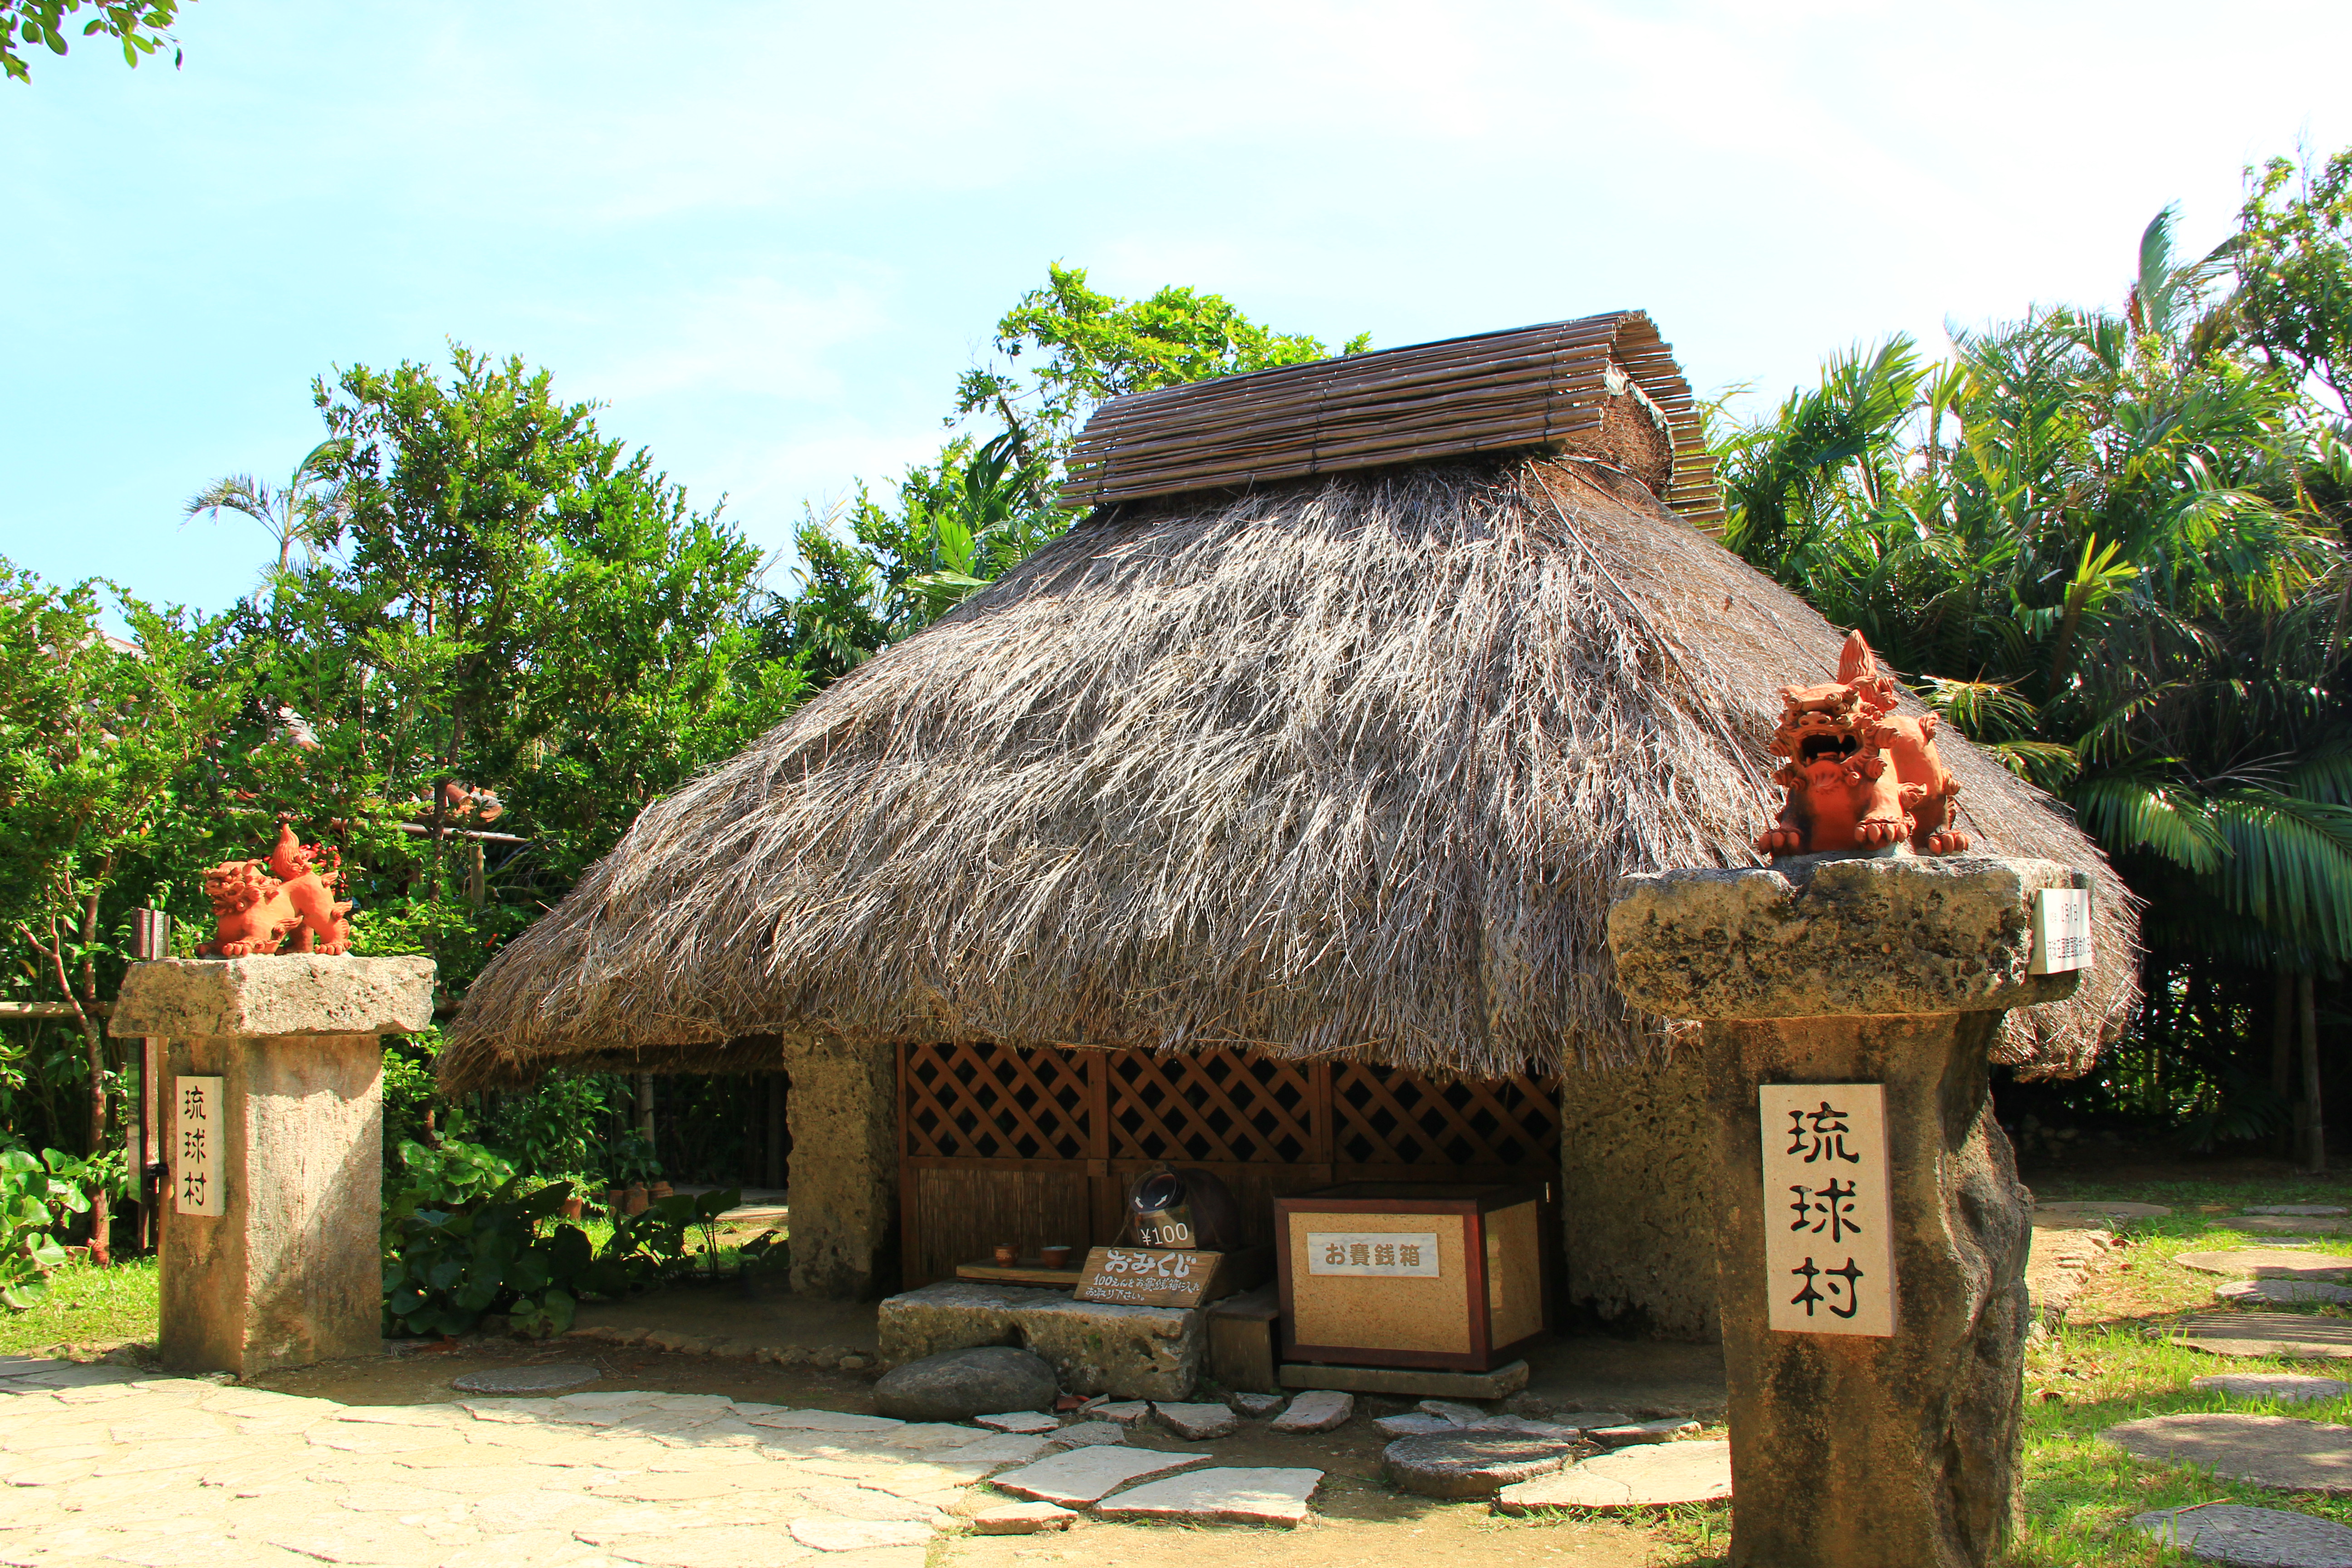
(2250, 1537)
(2292, 1334)
(1021, 1519)
(1256, 1496)
(1084, 1476)
(2113, 1208)
(1197, 1423)
(2281, 1451)
(1018, 1421)
(1646, 1476)
(525, 1379)
(1317, 1410)
(2321, 1209)
(2281, 1292)
(2267, 1263)
(2286, 1225)
(2286, 1387)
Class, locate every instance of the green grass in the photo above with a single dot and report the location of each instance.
(88, 1310)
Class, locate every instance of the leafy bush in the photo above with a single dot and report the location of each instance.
(33, 1195)
(457, 1173)
(445, 1269)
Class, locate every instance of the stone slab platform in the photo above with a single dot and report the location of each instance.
(1129, 1352)
(2293, 1334)
(2267, 1263)
(290, 994)
(2249, 1537)
(1657, 1477)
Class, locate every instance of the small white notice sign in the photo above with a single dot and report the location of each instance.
(2061, 930)
(1829, 1235)
(198, 1129)
(1406, 1254)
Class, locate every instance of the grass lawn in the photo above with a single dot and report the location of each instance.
(90, 1310)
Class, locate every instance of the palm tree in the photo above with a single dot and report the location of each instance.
(308, 512)
(2091, 538)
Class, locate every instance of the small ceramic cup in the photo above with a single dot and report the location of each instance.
(1007, 1254)
(1057, 1256)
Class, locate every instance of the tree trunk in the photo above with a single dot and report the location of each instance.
(2282, 1054)
(2314, 1129)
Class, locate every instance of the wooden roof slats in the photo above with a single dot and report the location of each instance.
(1532, 386)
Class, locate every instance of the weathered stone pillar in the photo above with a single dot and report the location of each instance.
(843, 1110)
(273, 1137)
(1852, 1450)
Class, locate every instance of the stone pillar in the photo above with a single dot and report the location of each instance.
(1637, 1197)
(1849, 1451)
(843, 1110)
(290, 1271)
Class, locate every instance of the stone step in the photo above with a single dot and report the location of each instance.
(2281, 1451)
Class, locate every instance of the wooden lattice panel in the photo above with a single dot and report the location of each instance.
(1215, 1107)
(1385, 1117)
(992, 1103)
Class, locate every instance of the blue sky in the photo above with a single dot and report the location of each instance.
(768, 235)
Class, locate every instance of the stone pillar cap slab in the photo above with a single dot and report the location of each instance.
(1836, 938)
(294, 993)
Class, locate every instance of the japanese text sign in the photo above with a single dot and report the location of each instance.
(1829, 1242)
(1146, 1276)
(2061, 930)
(1412, 1255)
(198, 1130)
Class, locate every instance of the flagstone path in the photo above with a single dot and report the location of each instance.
(105, 1465)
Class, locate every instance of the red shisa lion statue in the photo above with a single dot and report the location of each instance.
(280, 904)
(1859, 774)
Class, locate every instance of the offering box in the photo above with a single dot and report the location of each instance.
(1408, 1274)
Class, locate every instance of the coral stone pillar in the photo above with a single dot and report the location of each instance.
(273, 1133)
(843, 1110)
(1886, 1439)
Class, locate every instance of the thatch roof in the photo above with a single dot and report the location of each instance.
(1343, 764)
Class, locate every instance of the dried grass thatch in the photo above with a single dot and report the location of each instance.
(1348, 765)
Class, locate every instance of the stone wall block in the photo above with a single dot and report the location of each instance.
(294, 993)
(1637, 1197)
(1836, 938)
(843, 1115)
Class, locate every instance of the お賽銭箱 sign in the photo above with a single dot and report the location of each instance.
(1829, 1242)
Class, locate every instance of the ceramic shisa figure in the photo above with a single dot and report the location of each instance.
(1859, 775)
(281, 904)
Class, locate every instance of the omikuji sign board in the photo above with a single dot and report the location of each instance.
(198, 1128)
(1146, 1276)
(1829, 1242)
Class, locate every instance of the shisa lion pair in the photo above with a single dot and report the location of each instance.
(281, 904)
(1860, 776)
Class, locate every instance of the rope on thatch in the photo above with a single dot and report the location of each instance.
(1348, 765)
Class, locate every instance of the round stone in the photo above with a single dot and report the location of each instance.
(2281, 1451)
(2321, 1209)
(526, 1379)
(1471, 1464)
(2285, 1225)
(2267, 1263)
(2286, 1387)
(956, 1386)
(2281, 1292)
(2249, 1537)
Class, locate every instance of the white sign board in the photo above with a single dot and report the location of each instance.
(199, 1130)
(2061, 930)
(1829, 1234)
(1410, 1255)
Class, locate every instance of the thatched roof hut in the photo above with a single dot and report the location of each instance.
(1339, 764)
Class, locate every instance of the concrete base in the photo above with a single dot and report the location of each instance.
(1419, 1383)
(292, 1273)
(1129, 1352)
(1879, 1453)
(843, 1115)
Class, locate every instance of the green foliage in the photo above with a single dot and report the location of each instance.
(35, 1196)
(556, 1128)
(2093, 540)
(2293, 266)
(454, 1173)
(653, 1244)
(447, 1267)
(951, 526)
(141, 26)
